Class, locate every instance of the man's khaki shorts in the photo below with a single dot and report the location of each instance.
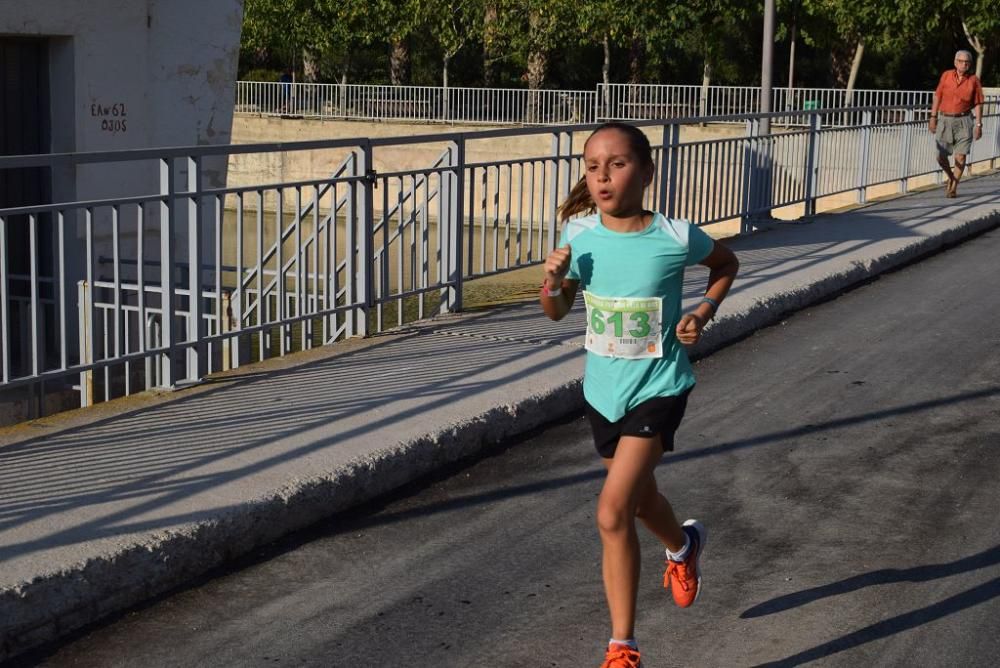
(954, 134)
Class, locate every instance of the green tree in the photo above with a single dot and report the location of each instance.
(454, 24)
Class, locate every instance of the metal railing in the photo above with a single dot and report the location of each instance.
(502, 106)
(185, 279)
(508, 106)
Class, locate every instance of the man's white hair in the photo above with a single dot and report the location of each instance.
(963, 52)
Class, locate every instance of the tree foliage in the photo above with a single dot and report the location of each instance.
(549, 43)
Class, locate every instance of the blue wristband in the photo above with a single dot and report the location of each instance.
(709, 300)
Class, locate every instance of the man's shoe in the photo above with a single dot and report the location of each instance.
(683, 578)
(621, 656)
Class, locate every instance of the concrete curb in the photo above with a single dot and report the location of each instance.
(59, 603)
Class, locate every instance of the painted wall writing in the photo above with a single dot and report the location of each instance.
(113, 116)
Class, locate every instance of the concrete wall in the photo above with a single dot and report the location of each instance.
(127, 74)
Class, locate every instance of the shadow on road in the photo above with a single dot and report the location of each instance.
(967, 599)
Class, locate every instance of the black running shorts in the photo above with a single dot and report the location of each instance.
(658, 416)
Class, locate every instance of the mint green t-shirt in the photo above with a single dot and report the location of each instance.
(645, 264)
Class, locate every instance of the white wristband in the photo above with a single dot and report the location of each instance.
(551, 293)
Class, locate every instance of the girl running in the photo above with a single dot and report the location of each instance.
(630, 263)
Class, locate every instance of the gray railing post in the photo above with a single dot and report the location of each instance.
(560, 186)
(996, 138)
(168, 205)
(669, 170)
(86, 377)
(749, 175)
(454, 223)
(196, 355)
(812, 164)
(907, 148)
(351, 243)
(864, 148)
(366, 237)
(553, 203)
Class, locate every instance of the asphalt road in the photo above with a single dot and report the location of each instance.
(845, 462)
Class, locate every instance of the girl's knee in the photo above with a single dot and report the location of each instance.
(613, 516)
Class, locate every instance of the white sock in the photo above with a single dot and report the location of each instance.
(681, 554)
(630, 643)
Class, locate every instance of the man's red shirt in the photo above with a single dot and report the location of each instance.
(956, 97)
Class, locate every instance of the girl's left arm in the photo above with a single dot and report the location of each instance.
(723, 265)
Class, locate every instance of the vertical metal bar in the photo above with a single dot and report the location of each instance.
(33, 277)
(352, 228)
(104, 352)
(168, 205)
(510, 195)
(83, 337)
(552, 210)
(279, 270)
(87, 383)
(61, 262)
(366, 276)
(116, 276)
(261, 297)
(236, 305)
(457, 225)
(907, 147)
(423, 248)
(332, 284)
(864, 156)
(300, 277)
(809, 178)
(196, 326)
(220, 311)
(315, 263)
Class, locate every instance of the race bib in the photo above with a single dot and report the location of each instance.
(628, 327)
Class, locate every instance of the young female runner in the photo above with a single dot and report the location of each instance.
(630, 263)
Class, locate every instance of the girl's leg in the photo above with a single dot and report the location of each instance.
(629, 473)
(658, 515)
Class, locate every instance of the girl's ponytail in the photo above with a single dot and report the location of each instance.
(579, 200)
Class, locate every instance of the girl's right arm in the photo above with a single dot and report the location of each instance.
(558, 293)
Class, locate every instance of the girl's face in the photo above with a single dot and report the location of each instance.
(616, 178)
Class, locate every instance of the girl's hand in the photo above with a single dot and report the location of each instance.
(557, 266)
(689, 329)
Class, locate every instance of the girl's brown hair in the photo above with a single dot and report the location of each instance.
(579, 199)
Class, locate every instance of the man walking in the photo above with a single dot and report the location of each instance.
(958, 95)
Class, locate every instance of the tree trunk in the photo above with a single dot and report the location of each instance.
(490, 33)
(636, 56)
(606, 67)
(310, 67)
(445, 102)
(855, 66)
(840, 65)
(789, 102)
(538, 63)
(399, 62)
(706, 80)
(538, 66)
(980, 48)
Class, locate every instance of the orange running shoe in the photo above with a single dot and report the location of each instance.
(683, 578)
(621, 656)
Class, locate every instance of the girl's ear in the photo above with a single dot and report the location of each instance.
(650, 171)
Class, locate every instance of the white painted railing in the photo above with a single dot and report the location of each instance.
(508, 106)
(500, 106)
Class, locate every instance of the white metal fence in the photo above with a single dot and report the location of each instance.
(185, 279)
(507, 106)
(501, 106)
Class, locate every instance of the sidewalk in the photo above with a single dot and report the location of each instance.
(106, 507)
